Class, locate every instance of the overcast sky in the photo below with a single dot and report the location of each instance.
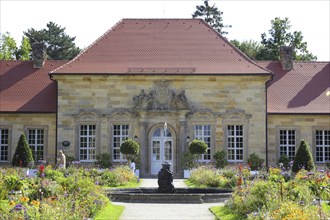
(88, 20)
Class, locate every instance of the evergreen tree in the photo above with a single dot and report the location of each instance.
(280, 36)
(23, 153)
(212, 15)
(60, 46)
(303, 158)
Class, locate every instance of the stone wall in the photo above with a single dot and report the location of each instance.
(305, 126)
(216, 100)
(18, 125)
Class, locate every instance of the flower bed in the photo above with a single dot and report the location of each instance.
(278, 194)
(73, 193)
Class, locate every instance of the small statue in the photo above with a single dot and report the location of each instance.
(62, 159)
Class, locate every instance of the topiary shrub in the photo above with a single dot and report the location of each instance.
(303, 158)
(255, 162)
(197, 147)
(23, 153)
(130, 148)
(220, 158)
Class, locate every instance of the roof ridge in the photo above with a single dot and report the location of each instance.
(83, 51)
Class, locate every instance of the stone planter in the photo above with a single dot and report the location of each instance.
(137, 173)
(186, 174)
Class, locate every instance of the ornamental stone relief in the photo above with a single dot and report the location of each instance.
(161, 98)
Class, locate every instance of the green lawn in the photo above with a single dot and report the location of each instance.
(223, 213)
(110, 212)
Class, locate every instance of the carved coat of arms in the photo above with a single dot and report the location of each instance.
(161, 98)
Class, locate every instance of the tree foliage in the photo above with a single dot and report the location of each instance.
(212, 15)
(280, 36)
(10, 51)
(60, 46)
(23, 153)
(250, 48)
(303, 158)
(7, 47)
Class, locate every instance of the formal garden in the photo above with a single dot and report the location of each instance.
(292, 190)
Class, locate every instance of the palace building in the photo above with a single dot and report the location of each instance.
(164, 82)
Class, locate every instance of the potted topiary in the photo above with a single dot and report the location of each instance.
(197, 148)
(188, 163)
(303, 158)
(131, 149)
(23, 154)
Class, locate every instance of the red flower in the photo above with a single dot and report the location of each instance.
(20, 163)
(328, 174)
(41, 168)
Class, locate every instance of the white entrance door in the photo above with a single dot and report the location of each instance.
(161, 149)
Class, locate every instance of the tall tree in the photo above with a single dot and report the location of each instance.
(7, 47)
(250, 48)
(60, 46)
(280, 36)
(212, 15)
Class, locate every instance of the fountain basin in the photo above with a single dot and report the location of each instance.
(182, 195)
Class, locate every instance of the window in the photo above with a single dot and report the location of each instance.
(119, 135)
(4, 137)
(203, 132)
(36, 139)
(87, 143)
(288, 143)
(322, 142)
(235, 142)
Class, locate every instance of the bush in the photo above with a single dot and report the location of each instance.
(103, 160)
(303, 158)
(255, 162)
(130, 148)
(197, 147)
(188, 161)
(284, 160)
(23, 153)
(220, 158)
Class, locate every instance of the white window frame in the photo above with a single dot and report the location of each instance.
(4, 145)
(122, 137)
(201, 134)
(37, 142)
(287, 145)
(90, 142)
(321, 147)
(235, 142)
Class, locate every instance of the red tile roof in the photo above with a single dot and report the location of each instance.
(26, 89)
(301, 90)
(161, 46)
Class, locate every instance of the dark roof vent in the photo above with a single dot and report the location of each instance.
(39, 54)
(286, 57)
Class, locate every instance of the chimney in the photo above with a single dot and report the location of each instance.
(39, 54)
(286, 57)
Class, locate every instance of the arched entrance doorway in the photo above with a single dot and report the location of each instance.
(161, 149)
